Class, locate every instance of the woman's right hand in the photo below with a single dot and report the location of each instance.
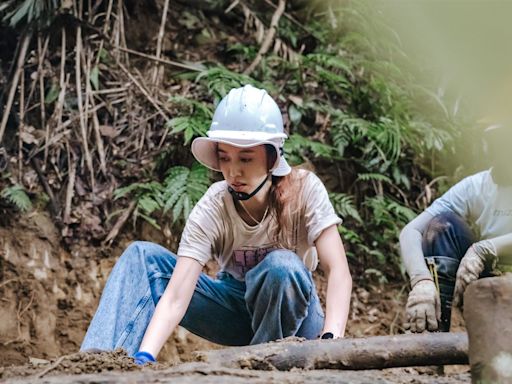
(172, 305)
(143, 358)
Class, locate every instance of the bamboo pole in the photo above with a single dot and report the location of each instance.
(160, 39)
(83, 126)
(14, 84)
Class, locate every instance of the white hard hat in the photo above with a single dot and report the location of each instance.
(246, 117)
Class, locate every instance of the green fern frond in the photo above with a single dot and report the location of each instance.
(182, 189)
(220, 80)
(329, 61)
(386, 137)
(344, 206)
(389, 213)
(40, 12)
(427, 136)
(346, 130)
(374, 177)
(196, 122)
(297, 147)
(148, 197)
(137, 189)
(17, 196)
(401, 211)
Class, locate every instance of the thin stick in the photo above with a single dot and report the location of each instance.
(122, 35)
(105, 29)
(20, 312)
(60, 133)
(14, 85)
(143, 90)
(292, 19)
(115, 33)
(60, 99)
(21, 126)
(54, 204)
(160, 39)
(42, 53)
(119, 223)
(53, 366)
(160, 60)
(108, 91)
(269, 37)
(70, 190)
(8, 281)
(142, 139)
(83, 127)
(99, 141)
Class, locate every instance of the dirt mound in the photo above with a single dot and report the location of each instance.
(205, 373)
(75, 364)
(49, 294)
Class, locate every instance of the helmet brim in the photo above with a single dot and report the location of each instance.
(204, 150)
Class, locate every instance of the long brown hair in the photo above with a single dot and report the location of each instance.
(284, 202)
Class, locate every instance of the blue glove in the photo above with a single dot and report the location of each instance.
(143, 358)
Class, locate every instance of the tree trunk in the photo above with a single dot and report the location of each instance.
(488, 316)
(361, 353)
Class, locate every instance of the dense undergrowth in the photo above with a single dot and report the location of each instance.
(100, 127)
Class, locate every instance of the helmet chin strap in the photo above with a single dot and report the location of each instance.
(246, 196)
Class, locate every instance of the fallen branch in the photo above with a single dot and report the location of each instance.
(119, 223)
(52, 366)
(197, 68)
(265, 46)
(376, 352)
(54, 204)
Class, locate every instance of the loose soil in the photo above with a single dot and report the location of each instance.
(49, 295)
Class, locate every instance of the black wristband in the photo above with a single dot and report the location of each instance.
(327, 335)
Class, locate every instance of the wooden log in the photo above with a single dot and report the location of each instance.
(347, 354)
(488, 317)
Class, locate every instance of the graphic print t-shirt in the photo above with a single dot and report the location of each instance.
(215, 229)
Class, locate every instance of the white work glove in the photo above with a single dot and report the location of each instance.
(471, 266)
(423, 309)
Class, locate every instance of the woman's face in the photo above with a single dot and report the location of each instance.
(243, 168)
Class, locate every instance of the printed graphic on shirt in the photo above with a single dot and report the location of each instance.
(248, 257)
(502, 212)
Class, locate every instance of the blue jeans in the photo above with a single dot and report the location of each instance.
(445, 242)
(277, 299)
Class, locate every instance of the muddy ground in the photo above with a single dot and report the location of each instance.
(115, 367)
(48, 296)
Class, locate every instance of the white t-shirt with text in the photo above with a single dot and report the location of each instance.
(214, 229)
(480, 201)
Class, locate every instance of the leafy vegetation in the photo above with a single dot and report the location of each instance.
(180, 191)
(353, 111)
(17, 196)
(41, 12)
